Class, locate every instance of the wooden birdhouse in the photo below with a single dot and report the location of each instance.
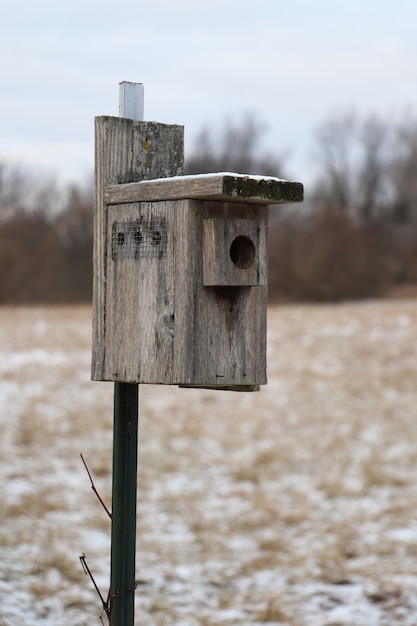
(181, 279)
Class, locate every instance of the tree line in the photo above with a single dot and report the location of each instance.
(45, 239)
(355, 236)
(358, 236)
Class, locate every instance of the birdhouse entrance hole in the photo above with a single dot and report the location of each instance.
(242, 252)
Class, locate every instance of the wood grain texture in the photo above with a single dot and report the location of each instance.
(125, 151)
(163, 325)
(139, 339)
(221, 186)
(234, 251)
(224, 328)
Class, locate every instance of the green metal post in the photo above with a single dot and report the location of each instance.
(123, 531)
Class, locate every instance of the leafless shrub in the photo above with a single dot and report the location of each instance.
(328, 259)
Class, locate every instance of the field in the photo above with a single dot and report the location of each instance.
(294, 506)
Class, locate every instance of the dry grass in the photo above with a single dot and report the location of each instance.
(291, 506)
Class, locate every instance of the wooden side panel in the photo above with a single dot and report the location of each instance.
(221, 338)
(125, 151)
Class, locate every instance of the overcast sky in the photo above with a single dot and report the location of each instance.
(293, 63)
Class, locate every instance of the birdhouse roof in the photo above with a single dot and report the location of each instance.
(222, 186)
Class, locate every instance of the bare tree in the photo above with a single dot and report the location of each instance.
(355, 159)
(45, 238)
(403, 177)
(74, 228)
(235, 147)
(373, 169)
(335, 147)
(25, 190)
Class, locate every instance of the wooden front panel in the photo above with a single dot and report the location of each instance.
(234, 252)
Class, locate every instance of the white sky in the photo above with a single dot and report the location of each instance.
(292, 62)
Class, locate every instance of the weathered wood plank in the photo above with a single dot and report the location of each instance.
(222, 186)
(222, 342)
(140, 304)
(125, 151)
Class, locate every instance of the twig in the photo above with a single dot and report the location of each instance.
(94, 488)
(87, 572)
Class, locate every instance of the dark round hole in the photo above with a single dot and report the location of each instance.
(137, 237)
(120, 238)
(242, 252)
(155, 238)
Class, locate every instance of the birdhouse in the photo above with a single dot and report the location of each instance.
(184, 296)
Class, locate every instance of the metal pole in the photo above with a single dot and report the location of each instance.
(125, 455)
(131, 100)
(123, 528)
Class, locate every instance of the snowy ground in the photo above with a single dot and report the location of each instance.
(293, 506)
